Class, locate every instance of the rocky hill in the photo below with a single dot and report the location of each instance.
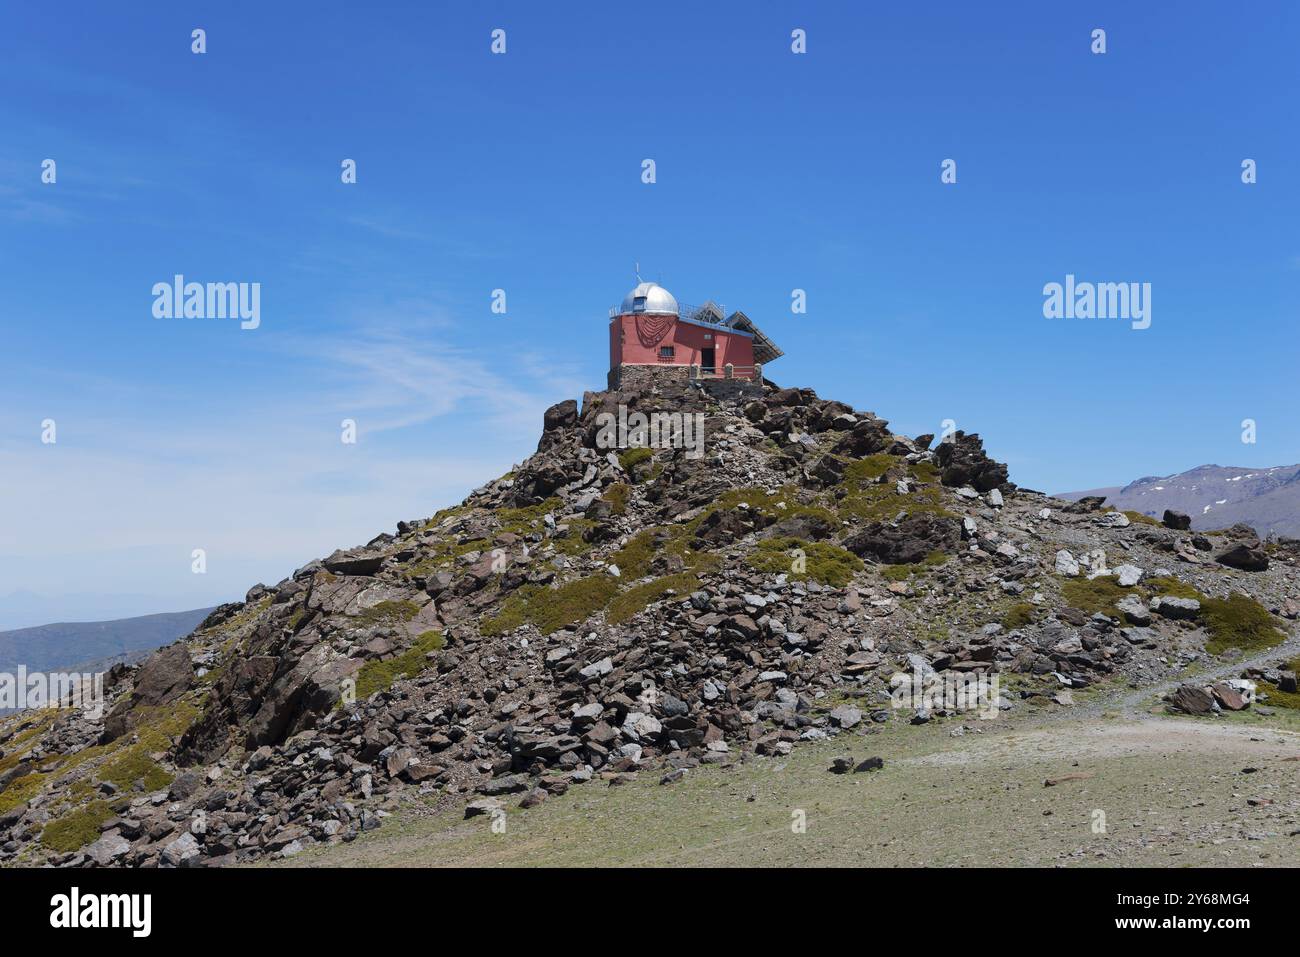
(1215, 496)
(600, 614)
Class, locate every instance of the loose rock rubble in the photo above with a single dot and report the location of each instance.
(601, 613)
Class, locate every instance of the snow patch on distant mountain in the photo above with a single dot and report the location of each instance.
(1215, 496)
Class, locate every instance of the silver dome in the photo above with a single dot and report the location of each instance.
(650, 298)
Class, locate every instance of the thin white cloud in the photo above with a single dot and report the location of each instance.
(261, 482)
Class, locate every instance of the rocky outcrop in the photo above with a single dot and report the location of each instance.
(164, 677)
(908, 541)
(1246, 556)
(962, 461)
(558, 419)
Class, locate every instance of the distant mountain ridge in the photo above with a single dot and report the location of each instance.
(64, 645)
(1215, 496)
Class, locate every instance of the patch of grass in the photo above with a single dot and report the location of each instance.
(244, 617)
(935, 633)
(22, 736)
(572, 602)
(637, 554)
(135, 765)
(522, 520)
(1239, 622)
(898, 573)
(389, 612)
(924, 471)
(159, 727)
(1093, 595)
(617, 496)
(212, 675)
(638, 597)
(21, 790)
(572, 541)
(512, 613)
(1019, 615)
(869, 469)
(443, 514)
(1278, 698)
(1169, 585)
(880, 503)
(783, 503)
(1140, 518)
(551, 609)
(634, 558)
(380, 675)
(76, 829)
(442, 556)
(699, 562)
(821, 562)
(630, 458)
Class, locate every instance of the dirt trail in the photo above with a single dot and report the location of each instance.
(1131, 703)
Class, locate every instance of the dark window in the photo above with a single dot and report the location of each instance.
(666, 352)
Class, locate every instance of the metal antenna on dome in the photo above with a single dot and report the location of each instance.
(637, 270)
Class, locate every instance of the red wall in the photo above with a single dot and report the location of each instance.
(687, 340)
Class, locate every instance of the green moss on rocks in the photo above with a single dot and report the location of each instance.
(1019, 615)
(898, 573)
(1140, 518)
(783, 503)
(135, 766)
(389, 612)
(617, 496)
(820, 561)
(1171, 586)
(77, 828)
(550, 609)
(380, 675)
(1277, 698)
(21, 790)
(1239, 622)
(1093, 595)
(630, 458)
(525, 519)
(639, 597)
(443, 555)
(22, 735)
(572, 541)
(443, 514)
(924, 471)
(634, 558)
(880, 503)
(867, 470)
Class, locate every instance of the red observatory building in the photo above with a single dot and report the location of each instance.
(651, 337)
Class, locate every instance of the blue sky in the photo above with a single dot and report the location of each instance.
(522, 171)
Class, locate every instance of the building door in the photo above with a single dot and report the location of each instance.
(706, 361)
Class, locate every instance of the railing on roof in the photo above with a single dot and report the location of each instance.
(710, 313)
